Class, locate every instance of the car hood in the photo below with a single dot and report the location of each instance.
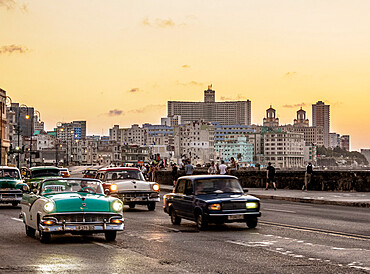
(133, 185)
(9, 183)
(226, 197)
(80, 202)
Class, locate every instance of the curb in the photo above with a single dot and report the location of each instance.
(313, 201)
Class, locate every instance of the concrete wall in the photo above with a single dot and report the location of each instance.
(321, 180)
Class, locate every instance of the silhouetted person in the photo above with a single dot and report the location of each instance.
(270, 176)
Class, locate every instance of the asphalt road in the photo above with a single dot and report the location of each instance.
(290, 238)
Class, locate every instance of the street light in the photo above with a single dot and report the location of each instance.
(32, 121)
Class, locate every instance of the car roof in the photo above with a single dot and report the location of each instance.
(121, 168)
(8, 167)
(44, 167)
(198, 177)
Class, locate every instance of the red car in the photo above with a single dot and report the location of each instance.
(89, 173)
(64, 172)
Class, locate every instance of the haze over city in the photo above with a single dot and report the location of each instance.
(119, 62)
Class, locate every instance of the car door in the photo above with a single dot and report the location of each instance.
(188, 202)
(178, 198)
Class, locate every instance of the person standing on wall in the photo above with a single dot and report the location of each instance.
(270, 176)
(307, 176)
(174, 173)
(212, 169)
(223, 168)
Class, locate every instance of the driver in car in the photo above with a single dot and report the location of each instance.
(84, 186)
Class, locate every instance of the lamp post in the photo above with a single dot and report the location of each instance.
(32, 121)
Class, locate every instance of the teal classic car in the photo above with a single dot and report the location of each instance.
(35, 175)
(11, 185)
(67, 205)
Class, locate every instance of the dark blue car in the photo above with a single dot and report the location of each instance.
(211, 199)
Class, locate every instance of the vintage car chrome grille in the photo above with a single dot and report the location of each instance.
(233, 205)
(135, 195)
(82, 218)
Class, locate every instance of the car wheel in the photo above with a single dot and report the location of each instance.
(110, 236)
(201, 222)
(131, 205)
(174, 218)
(151, 206)
(30, 232)
(252, 222)
(15, 203)
(45, 237)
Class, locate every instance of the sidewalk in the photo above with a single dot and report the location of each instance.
(358, 199)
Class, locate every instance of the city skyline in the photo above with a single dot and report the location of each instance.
(120, 62)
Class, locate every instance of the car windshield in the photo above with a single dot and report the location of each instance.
(9, 174)
(58, 186)
(64, 169)
(124, 175)
(45, 172)
(217, 185)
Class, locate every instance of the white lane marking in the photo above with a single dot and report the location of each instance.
(16, 219)
(104, 245)
(278, 210)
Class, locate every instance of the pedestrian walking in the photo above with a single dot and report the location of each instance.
(212, 169)
(223, 168)
(307, 176)
(270, 176)
(174, 173)
(189, 169)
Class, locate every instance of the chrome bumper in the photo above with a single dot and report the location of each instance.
(10, 197)
(256, 214)
(137, 198)
(66, 228)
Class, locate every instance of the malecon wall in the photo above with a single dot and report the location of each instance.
(321, 180)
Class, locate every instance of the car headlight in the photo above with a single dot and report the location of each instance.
(251, 205)
(117, 205)
(113, 187)
(49, 207)
(214, 207)
(155, 187)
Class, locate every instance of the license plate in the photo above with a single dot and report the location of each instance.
(235, 217)
(84, 227)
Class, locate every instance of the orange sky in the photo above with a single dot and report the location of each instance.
(119, 62)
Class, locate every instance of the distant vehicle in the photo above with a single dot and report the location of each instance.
(67, 205)
(211, 199)
(89, 173)
(64, 172)
(11, 185)
(37, 174)
(128, 184)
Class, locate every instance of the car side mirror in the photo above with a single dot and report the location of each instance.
(25, 189)
(245, 189)
(106, 192)
(34, 191)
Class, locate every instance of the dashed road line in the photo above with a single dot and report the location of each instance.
(278, 210)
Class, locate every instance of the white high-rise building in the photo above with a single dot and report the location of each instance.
(224, 113)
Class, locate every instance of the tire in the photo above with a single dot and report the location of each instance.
(15, 203)
(175, 220)
(110, 236)
(201, 221)
(131, 205)
(45, 237)
(30, 232)
(151, 206)
(252, 222)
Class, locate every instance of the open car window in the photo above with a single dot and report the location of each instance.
(81, 186)
(9, 174)
(217, 186)
(124, 175)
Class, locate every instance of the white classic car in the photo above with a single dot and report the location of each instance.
(128, 184)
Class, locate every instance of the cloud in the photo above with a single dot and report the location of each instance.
(296, 105)
(238, 97)
(13, 48)
(185, 66)
(134, 90)
(12, 4)
(290, 75)
(160, 23)
(148, 108)
(191, 83)
(115, 112)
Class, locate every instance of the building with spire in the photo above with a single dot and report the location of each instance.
(271, 120)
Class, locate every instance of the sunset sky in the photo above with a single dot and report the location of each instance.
(119, 62)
